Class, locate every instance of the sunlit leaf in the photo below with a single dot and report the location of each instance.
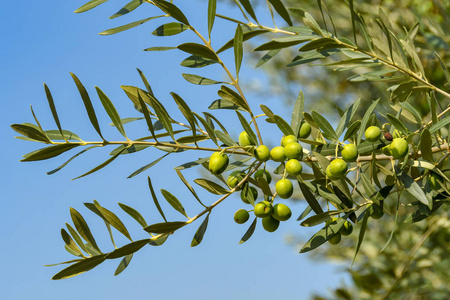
(80, 267)
(168, 29)
(198, 237)
(165, 227)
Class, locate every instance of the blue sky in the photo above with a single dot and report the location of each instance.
(42, 41)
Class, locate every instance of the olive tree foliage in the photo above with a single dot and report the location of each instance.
(396, 167)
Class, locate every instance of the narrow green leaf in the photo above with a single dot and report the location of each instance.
(159, 48)
(211, 15)
(365, 119)
(297, 113)
(148, 166)
(230, 95)
(101, 166)
(129, 7)
(306, 212)
(174, 202)
(207, 127)
(30, 132)
(155, 199)
(327, 129)
(309, 196)
(165, 227)
(172, 10)
(113, 220)
(128, 26)
(123, 264)
(111, 110)
(362, 231)
(90, 5)
(70, 243)
(192, 164)
(198, 237)
(283, 125)
(444, 67)
(195, 79)
(249, 232)
(169, 29)
(238, 48)
(163, 116)
(88, 104)
(51, 103)
(195, 61)
(285, 42)
(134, 214)
(225, 138)
(80, 267)
(309, 21)
(439, 124)
(369, 188)
(77, 238)
(311, 56)
(320, 218)
(412, 187)
(347, 117)
(248, 8)
(198, 50)
(352, 130)
(83, 228)
(211, 187)
(281, 10)
(224, 104)
(397, 123)
(128, 249)
(264, 186)
(246, 36)
(419, 215)
(48, 152)
(323, 235)
(425, 145)
(266, 57)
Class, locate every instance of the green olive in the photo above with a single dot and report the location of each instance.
(263, 209)
(234, 178)
(350, 153)
(281, 212)
(262, 153)
(277, 154)
(305, 130)
(288, 139)
(241, 216)
(376, 212)
(218, 162)
(244, 139)
(293, 150)
(270, 224)
(346, 229)
(335, 239)
(373, 134)
(336, 169)
(399, 148)
(294, 167)
(284, 188)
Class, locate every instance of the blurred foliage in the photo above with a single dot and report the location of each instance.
(327, 89)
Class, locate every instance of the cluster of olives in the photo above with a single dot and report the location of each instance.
(346, 229)
(271, 215)
(290, 153)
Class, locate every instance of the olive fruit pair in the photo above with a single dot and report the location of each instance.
(345, 230)
(398, 148)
